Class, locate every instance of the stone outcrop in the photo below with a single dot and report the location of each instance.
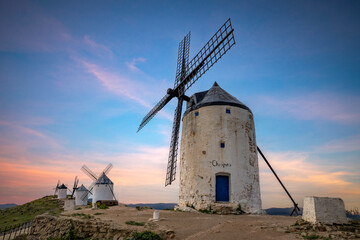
(45, 227)
(308, 230)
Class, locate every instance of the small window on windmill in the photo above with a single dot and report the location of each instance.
(196, 114)
(222, 145)
(228, 111)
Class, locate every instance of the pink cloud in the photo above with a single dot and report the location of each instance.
(135, 173)
(117, 84)
(302, 178)
(315, 106)
(99, 48)
(132, 65)
(121, 85)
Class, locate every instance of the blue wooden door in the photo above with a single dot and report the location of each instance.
(222, 188)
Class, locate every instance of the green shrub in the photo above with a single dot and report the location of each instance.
(101, 206)
(135, 223)
(146, 235)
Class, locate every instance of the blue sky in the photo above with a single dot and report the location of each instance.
(76, 79)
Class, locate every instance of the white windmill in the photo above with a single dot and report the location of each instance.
(102, 187)
(81, 196)
(62, 191)
(218, 155)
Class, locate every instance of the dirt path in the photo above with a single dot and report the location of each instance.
(199, 226)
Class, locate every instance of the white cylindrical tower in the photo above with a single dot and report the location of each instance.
(103, 189)
(218, 157)
(81, 196)
(62, 191)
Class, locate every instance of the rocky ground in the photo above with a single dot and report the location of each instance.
(119, 221)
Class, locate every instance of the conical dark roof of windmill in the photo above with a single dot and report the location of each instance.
(214, 96)
(103, 179)
(62, 186)
(81, 188)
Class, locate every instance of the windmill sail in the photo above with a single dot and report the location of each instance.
(213, 50)
(174, 145)
(187, 73)
(88, 172)
(183, 59)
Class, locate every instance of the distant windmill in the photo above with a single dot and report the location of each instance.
(219, 163)
(62, 191)
(81, 196)
(102, 187)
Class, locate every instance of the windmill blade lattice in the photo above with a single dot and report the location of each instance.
(174, 146)
(187, 73)
(88, 172)
(86, 193)
(183, 59)
(213, 50)
(107, 169)
(155, 110)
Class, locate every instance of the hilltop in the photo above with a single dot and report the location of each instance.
(28, 211)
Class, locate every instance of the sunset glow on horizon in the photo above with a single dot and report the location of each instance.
(76, 80)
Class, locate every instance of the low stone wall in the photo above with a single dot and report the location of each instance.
(324, 210)
(69, 204)
(45, 227)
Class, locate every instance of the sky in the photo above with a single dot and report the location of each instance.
(77, 77)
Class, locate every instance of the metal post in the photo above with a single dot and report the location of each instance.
(296, 208)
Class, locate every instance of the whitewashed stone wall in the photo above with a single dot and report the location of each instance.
(201, 158)
(102, 192)
(62, 193)
(81, 198)
(324, 210)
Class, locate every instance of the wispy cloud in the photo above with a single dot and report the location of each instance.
(132, 65)
(116, 83)
(121, 85)
(314, 106)
(98, 48)
(302, 177)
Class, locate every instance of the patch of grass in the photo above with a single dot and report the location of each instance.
(98, 213)
(135, 223)
(146, 235)
(28, 211)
